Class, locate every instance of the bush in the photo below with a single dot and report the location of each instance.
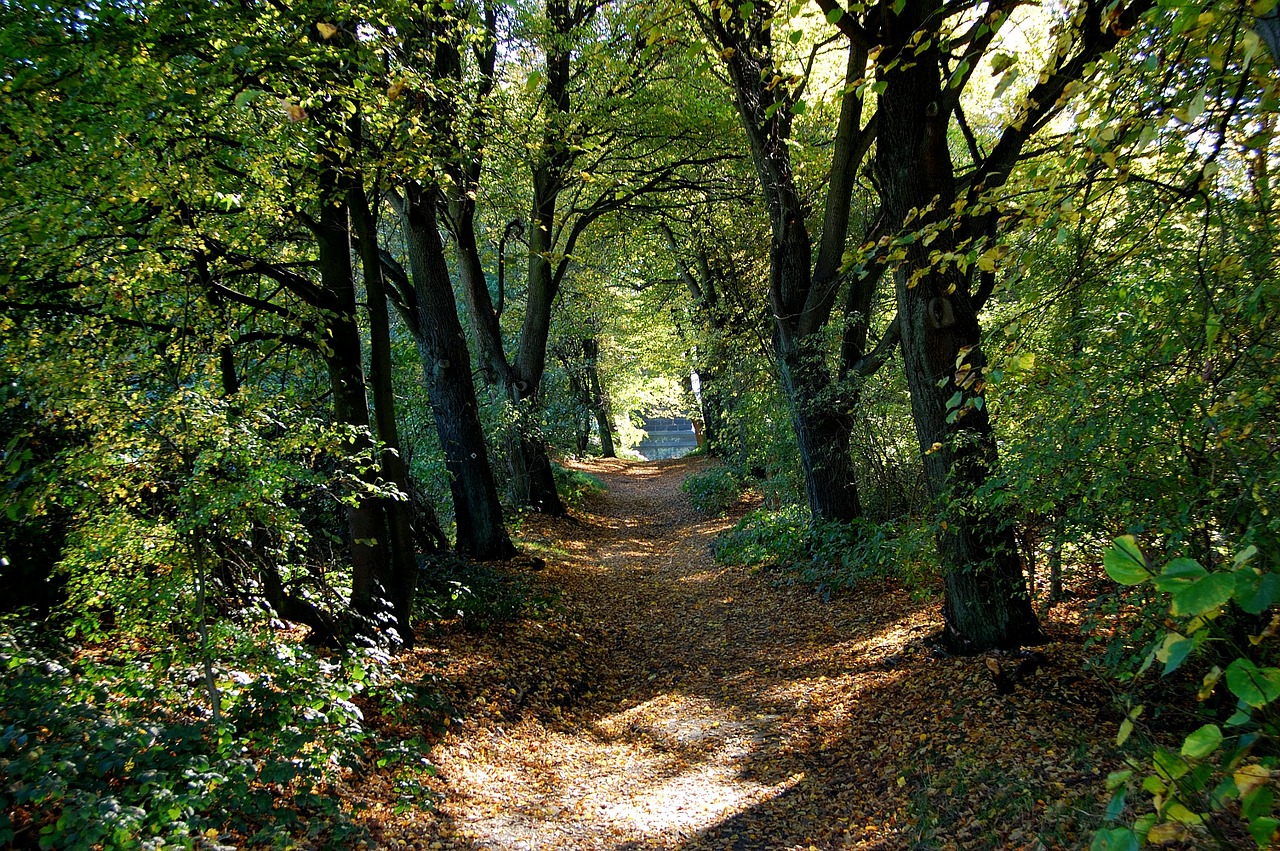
(764, 538)
(576, 487)
(479, 596)
(833, 556)
(1220, 782)
(114, 751)
(714, 492)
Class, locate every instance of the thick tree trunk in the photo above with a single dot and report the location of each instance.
(820, 416)
(986, 603)
(532, 480)
(446, 366)
(365, 519)
(404, 562)
(532, 483)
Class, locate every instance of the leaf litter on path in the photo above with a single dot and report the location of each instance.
(669, 702)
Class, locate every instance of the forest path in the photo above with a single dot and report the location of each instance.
(675, 703)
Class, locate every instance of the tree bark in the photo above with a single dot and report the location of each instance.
(446, 366)
(802, 291)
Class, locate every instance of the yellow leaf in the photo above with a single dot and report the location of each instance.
(987, 262)
(1180, 813)
(1167, 832)
(1210, 680)
(327, 30)
(394, 90)
(1250, 777)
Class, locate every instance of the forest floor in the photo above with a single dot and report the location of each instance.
(663, 701)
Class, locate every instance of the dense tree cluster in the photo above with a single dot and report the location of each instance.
(302, 300)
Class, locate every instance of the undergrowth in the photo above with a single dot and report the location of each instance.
(713, 492)
(833, 556)
(113, 746)
(478, 596)
(574, 486)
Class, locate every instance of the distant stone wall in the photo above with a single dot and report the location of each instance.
(667, 437)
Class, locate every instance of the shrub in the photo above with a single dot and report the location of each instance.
(714, 492)
(1221, 778)
(576, 487)
(113, 751)
(479, 596)
(833, 556)
(765, 538)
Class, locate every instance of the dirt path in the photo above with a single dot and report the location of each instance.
(673, 703)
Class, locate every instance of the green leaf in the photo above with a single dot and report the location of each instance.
(1204, 595)
(1116, 779)
(1116, 807)
(958, 75)
(1174, 651)
(1124, 562)
(1115, 839)
(1179, 573)
(1002, 62)
(1196, 107)
(1263, 829)
(1258, 802)
(1202, 742)
(1255, 592)
(1170, 765)
(799, 108)
(1181, 813)
(834, 16)
(1255, 686)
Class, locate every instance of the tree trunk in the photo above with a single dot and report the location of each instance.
(446, 366)
(712, 409)
(802, 291)
(404, 562)
(1055, 561)
(365, 518)
(986, 603)
(822, 432)
(599, 401)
